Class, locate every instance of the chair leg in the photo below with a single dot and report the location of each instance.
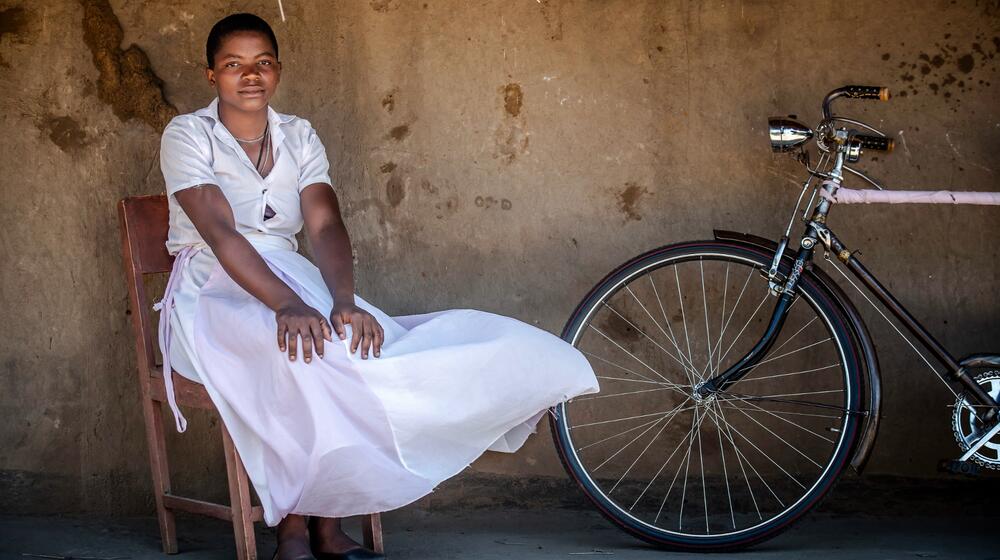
(372, 530)
(156, 442)
(239, 499)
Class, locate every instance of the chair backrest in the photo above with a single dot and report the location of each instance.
(144, 221)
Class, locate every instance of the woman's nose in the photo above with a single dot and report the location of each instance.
(251, 72)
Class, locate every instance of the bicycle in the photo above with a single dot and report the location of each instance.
(718, 426)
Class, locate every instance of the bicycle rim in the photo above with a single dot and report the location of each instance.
(722, 474)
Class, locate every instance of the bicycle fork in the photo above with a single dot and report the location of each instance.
(786, 296)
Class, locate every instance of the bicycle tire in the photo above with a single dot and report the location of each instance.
(826, 303)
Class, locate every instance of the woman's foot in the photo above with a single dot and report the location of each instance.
(293, 539)
(330, 542)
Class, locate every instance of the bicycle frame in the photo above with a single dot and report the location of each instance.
(818, 232)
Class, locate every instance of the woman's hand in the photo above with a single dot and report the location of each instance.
(296, 319)
(365, 329)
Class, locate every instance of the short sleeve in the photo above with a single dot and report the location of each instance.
(315, 167)
(184, 161)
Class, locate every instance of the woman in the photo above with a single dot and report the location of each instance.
(323, 431)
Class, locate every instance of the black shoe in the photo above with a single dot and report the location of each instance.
(359, 553)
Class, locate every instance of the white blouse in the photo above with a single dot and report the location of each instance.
(197, 149)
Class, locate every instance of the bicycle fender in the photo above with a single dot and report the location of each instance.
(872, 376)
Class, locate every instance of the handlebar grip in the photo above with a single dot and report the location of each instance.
(867, 92)
(879, 143)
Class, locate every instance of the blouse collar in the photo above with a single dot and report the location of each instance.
(275, 119)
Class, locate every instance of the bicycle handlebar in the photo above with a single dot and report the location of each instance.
(867, 92)
(854, 92)
(879, 143)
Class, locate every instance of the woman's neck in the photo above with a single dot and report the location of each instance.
(242, 124)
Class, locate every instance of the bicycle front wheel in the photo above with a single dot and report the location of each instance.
(718, 473)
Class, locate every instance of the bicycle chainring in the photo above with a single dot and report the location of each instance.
(967, 427)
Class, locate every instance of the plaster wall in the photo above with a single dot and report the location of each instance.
(496, 155)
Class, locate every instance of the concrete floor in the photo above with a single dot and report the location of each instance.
(523, 534)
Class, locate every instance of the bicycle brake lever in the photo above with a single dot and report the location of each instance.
(858, 173)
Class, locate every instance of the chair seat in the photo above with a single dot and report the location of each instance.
(187, 392)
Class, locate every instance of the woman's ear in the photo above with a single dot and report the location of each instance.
(210, 76)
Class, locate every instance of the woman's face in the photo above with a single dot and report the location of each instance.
(246, 71)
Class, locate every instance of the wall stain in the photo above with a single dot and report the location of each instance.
(513, 98)
(552, 14)
(384, 6)
(389, 100)
(387, 167)
(937, 70)
(619, 330)
(126, 80)
(510, 137)
(398, 133)
(629, 199)
(14, 24)
(395, 190)
(64, 132)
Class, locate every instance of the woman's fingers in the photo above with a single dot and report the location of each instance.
(357, 330)
(338, 325)
(293, 343)
(325, 330)
(307, 341)
(379, 339)
(318, 335)
(282, 335)
(367, 338)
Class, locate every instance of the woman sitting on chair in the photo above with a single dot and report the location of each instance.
(323, 432)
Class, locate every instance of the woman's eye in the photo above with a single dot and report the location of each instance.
(232, 64)
(268, 62)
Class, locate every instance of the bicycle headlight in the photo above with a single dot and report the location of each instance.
(787, 134)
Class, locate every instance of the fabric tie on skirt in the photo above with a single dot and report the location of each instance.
(166, 306)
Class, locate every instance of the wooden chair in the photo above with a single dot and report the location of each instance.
(143, 221)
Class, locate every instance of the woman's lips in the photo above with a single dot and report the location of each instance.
(257, 92)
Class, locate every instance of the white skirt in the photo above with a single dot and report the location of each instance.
(346, 436)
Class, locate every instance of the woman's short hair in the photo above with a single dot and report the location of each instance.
(236, 23)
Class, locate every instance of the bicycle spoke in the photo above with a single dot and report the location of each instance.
(626, 418)
(603, 396)
(678, 388)
(670, 337)
(787, 401)
(765, 455)
(619, 434)
(663, 466)
(680, 299)
(801, 427)
(673, 338)
(643, 333)
(781, 439)
(812, 370)
(722, 321)
(647, 366)
(729, 435)
(704, 491)
(643, 452)
(704, 301)
(725, 477)
(670, 414)
(687, 455)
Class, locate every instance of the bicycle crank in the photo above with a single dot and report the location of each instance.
(979, 443)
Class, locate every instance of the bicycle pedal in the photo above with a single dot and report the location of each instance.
(954, 466)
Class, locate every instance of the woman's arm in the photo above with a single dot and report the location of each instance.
(332, 250)
(212, 216)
